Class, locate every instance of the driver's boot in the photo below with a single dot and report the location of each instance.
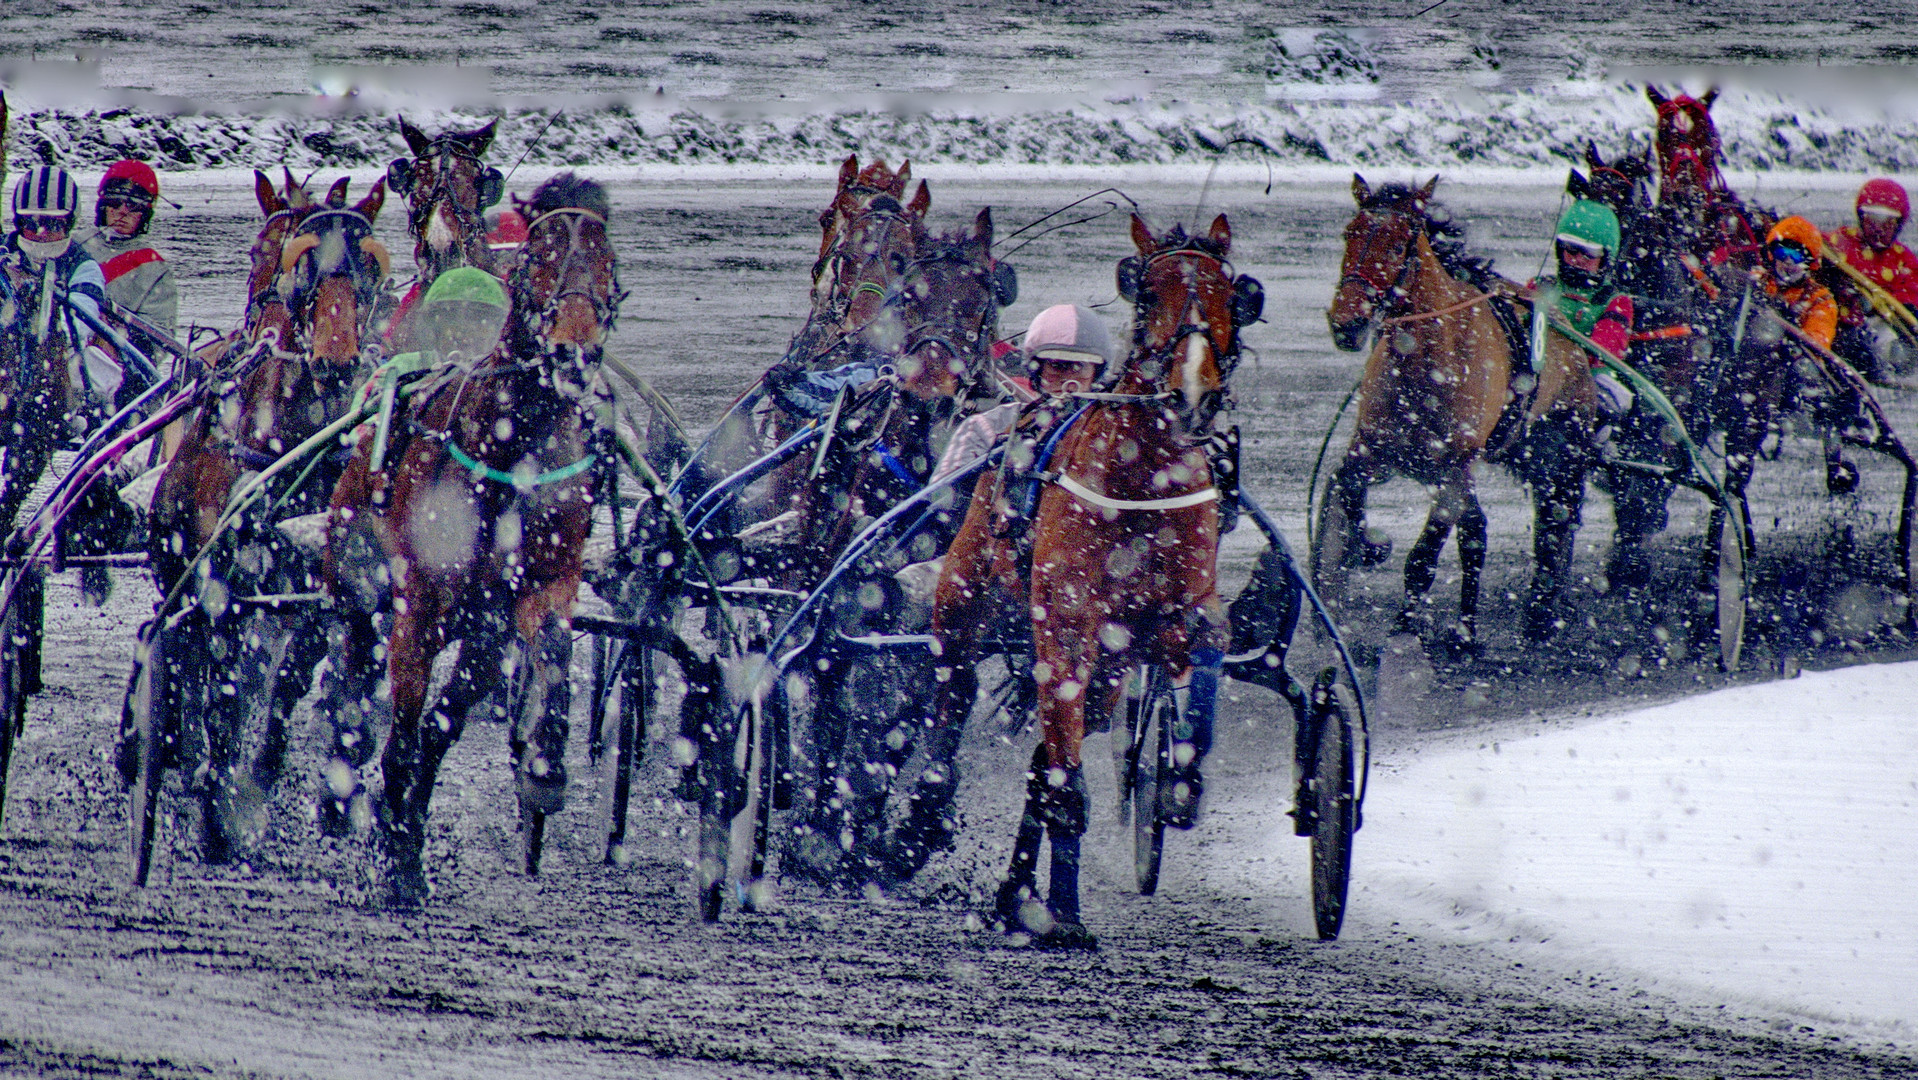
(1184, 785)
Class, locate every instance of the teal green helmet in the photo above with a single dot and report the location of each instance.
(468, 284)
(1588, 222)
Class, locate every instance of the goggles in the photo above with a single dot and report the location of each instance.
(1880, 213)
(1575, 245)
(1789, 251)
(126, 202)
(40, 223)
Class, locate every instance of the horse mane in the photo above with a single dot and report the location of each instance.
(1175, 238)
(570, 191)
(1447, 236)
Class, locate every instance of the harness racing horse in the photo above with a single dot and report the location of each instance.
(867, 236)
(935, 333)
(1121, 571)
(447, 186)
(287, 389)
(1441, 390)
(475, 526)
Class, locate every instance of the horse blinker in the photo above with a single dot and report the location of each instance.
(1005, 284)
(1248, 301)
(399, 175)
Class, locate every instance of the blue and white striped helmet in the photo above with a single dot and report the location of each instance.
(46, 190)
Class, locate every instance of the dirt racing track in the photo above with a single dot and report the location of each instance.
(288, 964)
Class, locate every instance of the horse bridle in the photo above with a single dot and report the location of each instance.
(1377, 294)
(271, 292)
(920, 336)
(839, 303)
(488, 186)
(1247, 302)
(606, 311)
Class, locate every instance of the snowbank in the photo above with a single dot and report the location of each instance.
(1762, 129)
(1759, 844)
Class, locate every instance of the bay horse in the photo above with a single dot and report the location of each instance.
(935, 334)
(330, 271)
(867, 236)
(1442, 389)
(1121, 570)
(448, 186)
(475, 528)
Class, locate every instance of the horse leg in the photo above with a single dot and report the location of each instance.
(306, 647)
(1557, 505)
(349, 701)
(235, 805)
(1421, 563)
(413, 749)
(1195, 694)
(1471, 559)
(1062, 676)
(539, 742)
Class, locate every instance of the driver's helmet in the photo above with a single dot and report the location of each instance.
(1886, 196)
(1591, 226)
(1796, 241)
(464, 313)
(1068, 332)
(46, 191)
(133, 183)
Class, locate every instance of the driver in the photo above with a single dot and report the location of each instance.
(139, 280)
(1587, 245)
(461, 320)
(1871, 247)
(1066, 351)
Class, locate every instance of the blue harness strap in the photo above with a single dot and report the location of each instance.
(896, 467)
(1036, 479)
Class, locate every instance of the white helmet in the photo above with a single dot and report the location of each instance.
(47, 191)
(1068, 332)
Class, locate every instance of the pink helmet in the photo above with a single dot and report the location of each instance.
(1885, 193)
(1068, 332)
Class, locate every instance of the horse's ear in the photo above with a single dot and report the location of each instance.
(369, 207)
(296, 196)
(1591, 155)
(1652, 93)
(1710, 96)
(1425, 193)
(336, 195)
(479, 140)
(982, 233)
(1361, 190)
(848, 171)
(1142, 237)
(921, 202)
(416, 139)
(270, 201)
(1221, 234)
(1576, 185)
(901, 178)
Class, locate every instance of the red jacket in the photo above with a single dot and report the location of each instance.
(1894, 268)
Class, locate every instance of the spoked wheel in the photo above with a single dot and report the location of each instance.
(1729, 536)
(13, 692)
(1331, 561)
(632, 681)
(1332, 803)
(1150, 758)
(149, 720)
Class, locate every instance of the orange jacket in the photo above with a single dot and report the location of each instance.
(1809, 304)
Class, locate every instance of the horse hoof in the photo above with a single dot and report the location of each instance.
(1841, 477)
(1629, 569)
(1374, 548)
(542, 785)
(1066, 937)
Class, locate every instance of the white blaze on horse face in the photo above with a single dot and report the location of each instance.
(439, 231)
(1193, 370)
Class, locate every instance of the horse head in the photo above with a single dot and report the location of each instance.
(1381, 252)
(1187, 310)
(447, 189)
(1688, 147)
(867, 237)
(944, 312)
(332, 270)
(565, 283)
(284, 208)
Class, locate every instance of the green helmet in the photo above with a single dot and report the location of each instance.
(468, 284)
(1592, 223)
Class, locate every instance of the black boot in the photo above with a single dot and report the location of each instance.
(930, 820)
(1184, 785)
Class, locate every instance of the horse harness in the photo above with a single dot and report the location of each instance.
(489, 185)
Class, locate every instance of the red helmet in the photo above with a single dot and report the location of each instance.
(1885, 193)
(130, 173)
(128, 179)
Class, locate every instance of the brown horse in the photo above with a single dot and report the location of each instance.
(1442, 390)
(448, 187)
(330, 272)
(1121, 568)
(476, 526)
(935, 333)
(867, 236)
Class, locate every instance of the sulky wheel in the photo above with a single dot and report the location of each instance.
(148, 723)
(720, 775)
(1332, 804)
(632, 681)
(1729, 533)
(13, 689)
(1149, 757)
